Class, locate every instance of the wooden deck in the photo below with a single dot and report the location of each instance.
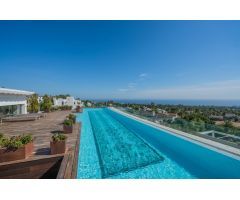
(42, 131)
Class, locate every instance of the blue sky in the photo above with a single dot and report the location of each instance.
(122, 59)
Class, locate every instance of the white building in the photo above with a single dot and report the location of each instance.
(89, 104)
(69, 101)
(40, 99)
(13, 102)
(161, 111)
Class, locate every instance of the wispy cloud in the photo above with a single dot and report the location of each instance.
(132, 86)
(142, 75)
(228, 89)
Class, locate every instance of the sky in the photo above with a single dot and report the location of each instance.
(122, 59)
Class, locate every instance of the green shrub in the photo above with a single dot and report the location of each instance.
(15, 142)
(46, 103)
(25, 139)
(33, 104)
(1, 139)
(58, 137)
(65, 107)
(72, 117)
(68, 122)
(52, 109)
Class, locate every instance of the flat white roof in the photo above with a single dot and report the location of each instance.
(15, 92)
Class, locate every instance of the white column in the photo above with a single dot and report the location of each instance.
(24, 108)
(19, 109)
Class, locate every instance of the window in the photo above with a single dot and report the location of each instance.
(8, 110)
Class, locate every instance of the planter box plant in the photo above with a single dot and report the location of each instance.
(15, 148)
(68, 126)
(58, 144)
(72, 117)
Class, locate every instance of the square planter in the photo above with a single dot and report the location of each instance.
(58, 147)
(7, 155)
(67, 129)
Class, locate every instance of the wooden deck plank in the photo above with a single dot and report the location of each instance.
(42, 131)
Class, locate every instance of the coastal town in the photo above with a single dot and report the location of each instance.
(219, 115)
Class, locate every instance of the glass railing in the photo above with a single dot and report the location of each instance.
(225, 135)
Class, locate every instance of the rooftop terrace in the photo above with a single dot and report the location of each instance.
(42, 131)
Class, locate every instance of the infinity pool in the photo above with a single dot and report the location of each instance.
(114, 146)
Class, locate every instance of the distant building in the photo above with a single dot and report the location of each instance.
(147, 109)
(161, 111)
(216, 117)
(40, 99)
(69, 101)
(172, 116)
(13, 102)
(89, 104)
(230, 115)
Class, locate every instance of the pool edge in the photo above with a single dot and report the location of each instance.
(212, 145)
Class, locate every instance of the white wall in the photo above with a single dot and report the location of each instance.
(69, 101)
(10, 99)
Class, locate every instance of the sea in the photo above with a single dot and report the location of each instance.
(187, 102)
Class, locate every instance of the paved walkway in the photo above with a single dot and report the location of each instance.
(41, 129)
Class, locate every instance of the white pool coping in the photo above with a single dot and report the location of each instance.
(216, 146)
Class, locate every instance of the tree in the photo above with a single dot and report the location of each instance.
(62, 96)
(33, 105)
(228, 124)
(46, 104)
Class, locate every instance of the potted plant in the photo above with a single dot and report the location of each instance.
(72, 117)
(58, 143)
(16, 147)
(68, 126)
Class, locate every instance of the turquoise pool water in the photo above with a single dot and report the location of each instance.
(115, 146)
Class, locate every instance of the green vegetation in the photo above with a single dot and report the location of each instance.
(190, 119)
(1, 139)
(46, 104)
(33, 105)
(15, 142)
(64, 108)
(228, 124)
(59, 137)
(25, 139)
(62, 96)
(68, 122)
(56, 108)
(72, 117)
(190, 113)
